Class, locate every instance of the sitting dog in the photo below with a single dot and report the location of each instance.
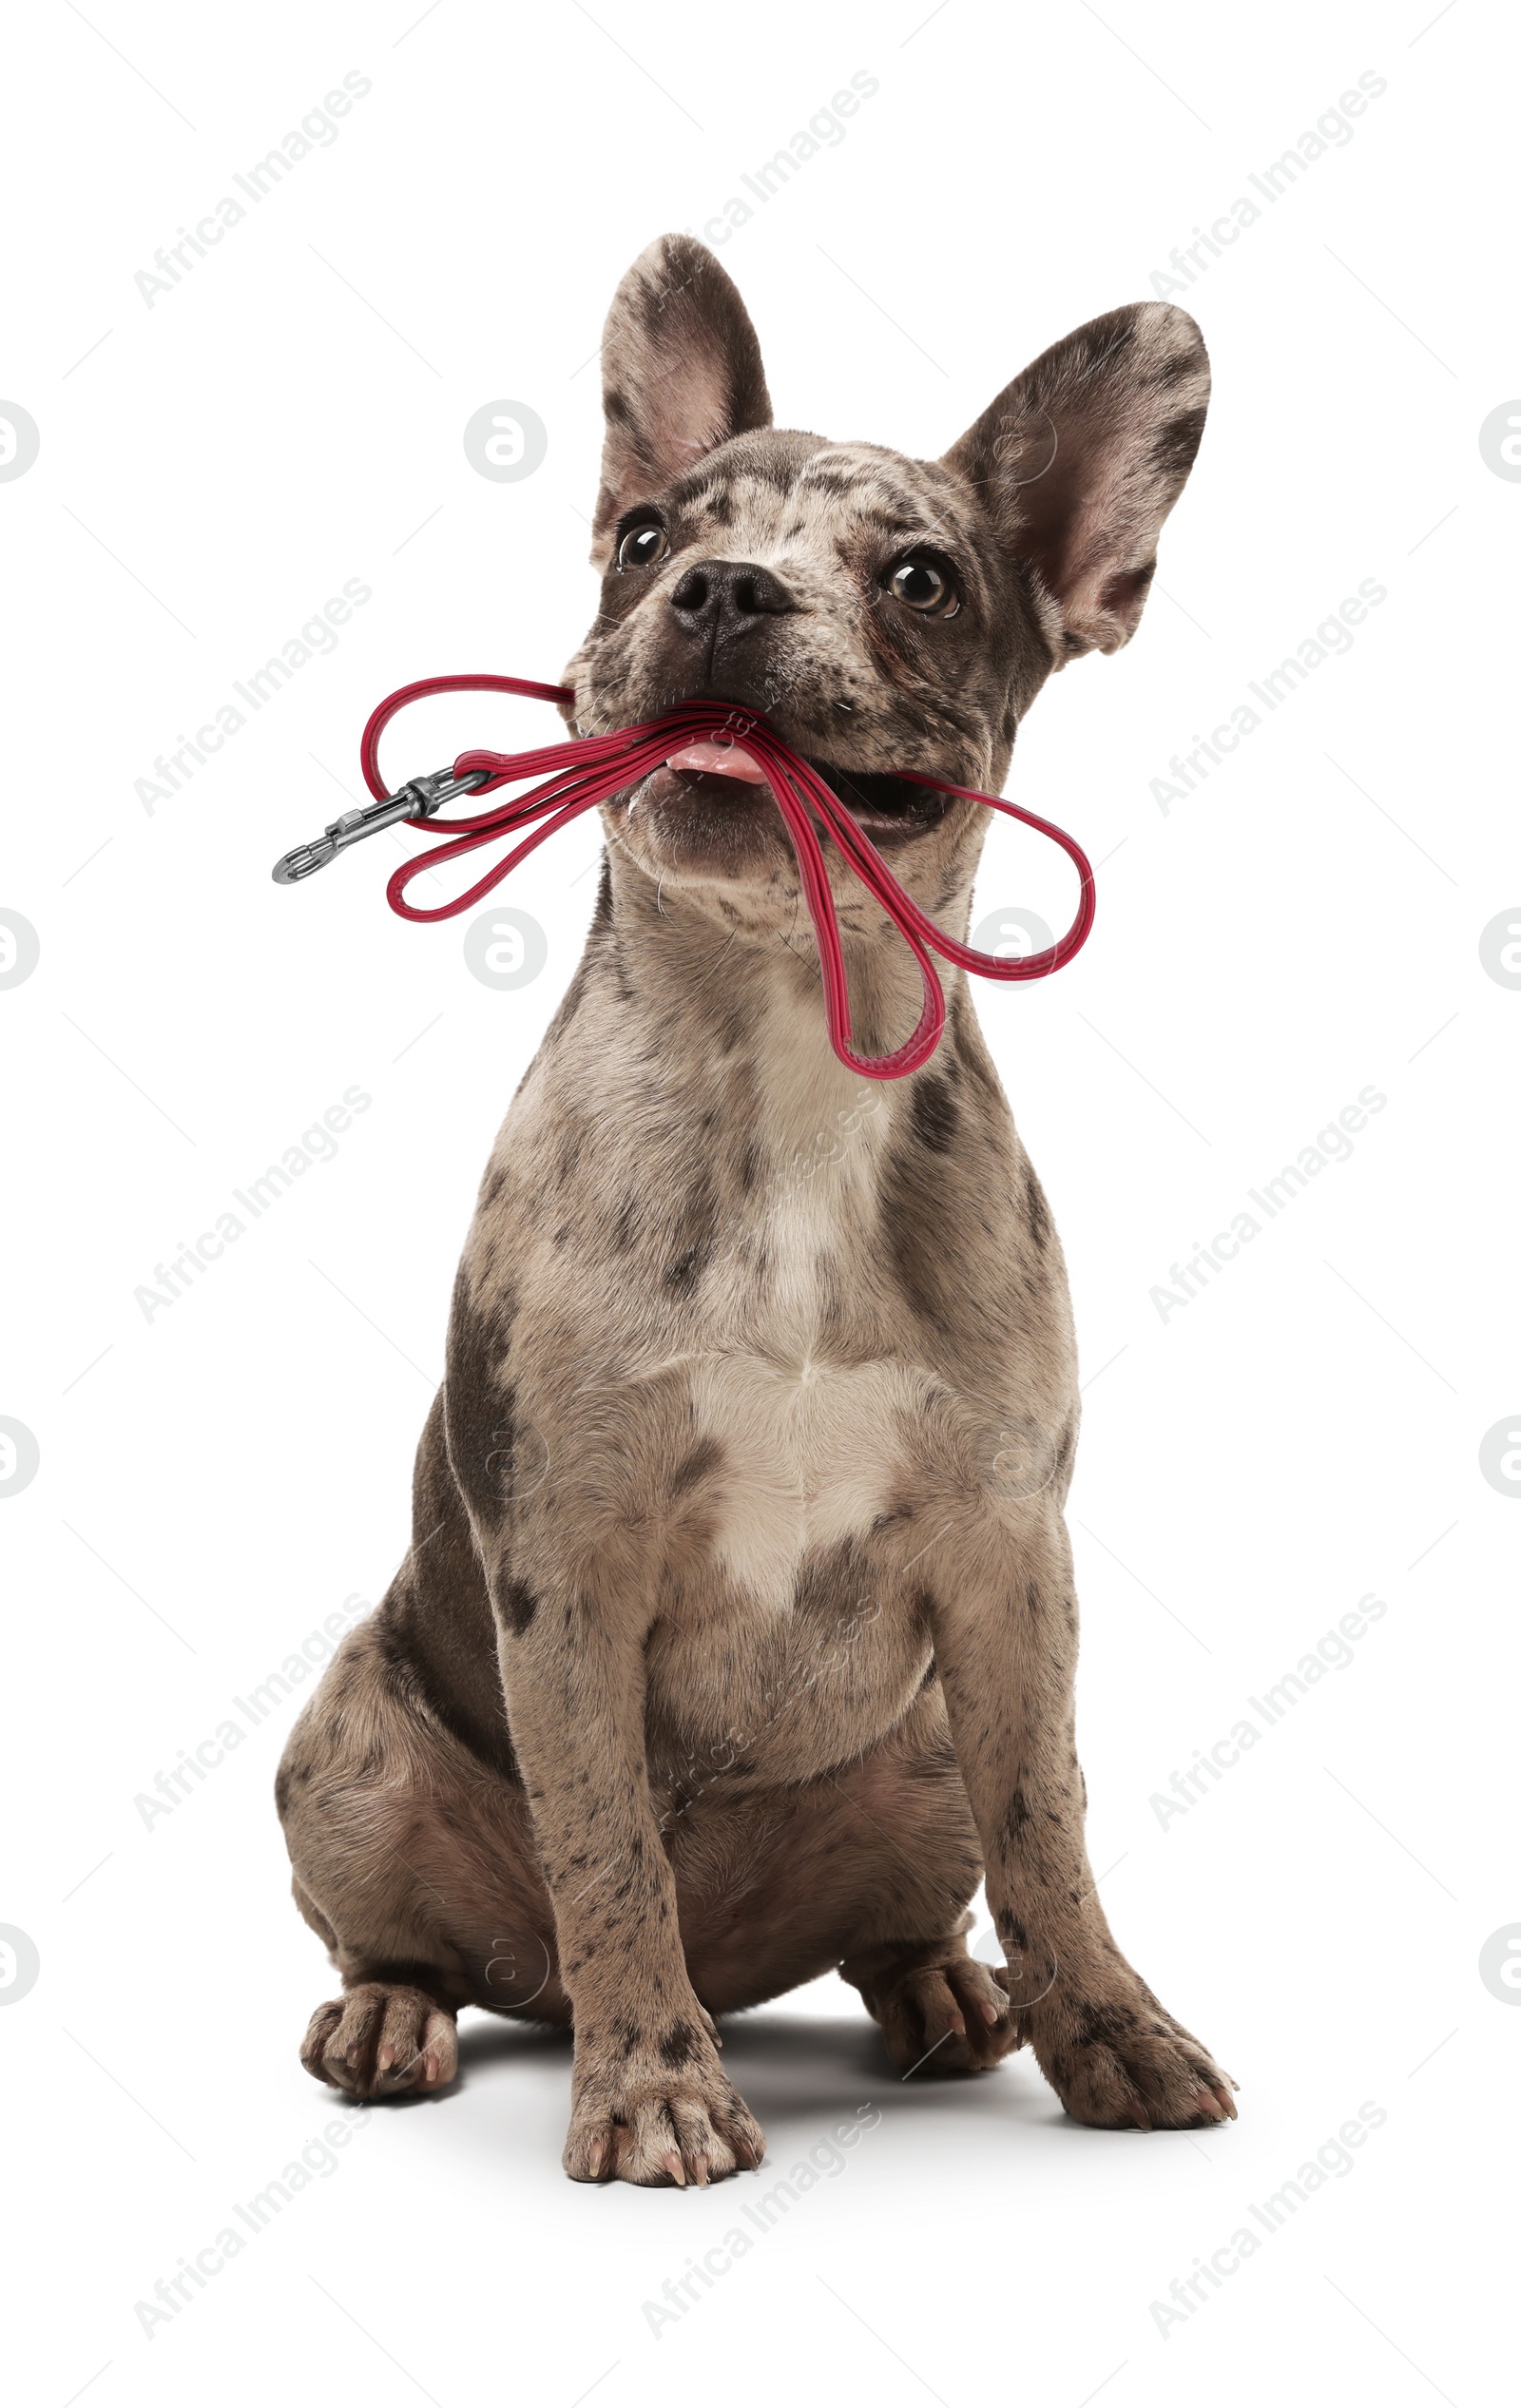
(737, 1637)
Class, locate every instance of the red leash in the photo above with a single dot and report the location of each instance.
(585, 771)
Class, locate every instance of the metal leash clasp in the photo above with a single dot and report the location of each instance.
(418, 800)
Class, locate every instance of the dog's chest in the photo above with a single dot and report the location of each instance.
(802, 1393)
(803, 1387)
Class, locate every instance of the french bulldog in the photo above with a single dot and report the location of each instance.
(737, 1637)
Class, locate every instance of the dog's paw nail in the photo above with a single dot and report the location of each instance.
(989, 2013)
(430, 2069)
(386, 2059)
(671, 2161)
(700, 2170)
(594, 2159)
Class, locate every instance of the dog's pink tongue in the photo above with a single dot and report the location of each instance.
(725, 760)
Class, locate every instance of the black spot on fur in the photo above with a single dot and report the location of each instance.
(477, 1399)
(705, 1457)
(838, 484)
(1108, 2024)
(696, 1232)
(933, 1111)
(776, 459)
(439, 1660)
(911, 1232)
(1018, 1816)
(680, 2045)
(833, 1590)
(519, 1605)
(733, 1025)
(1172, 454)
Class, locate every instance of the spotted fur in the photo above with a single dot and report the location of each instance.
(738, 1634)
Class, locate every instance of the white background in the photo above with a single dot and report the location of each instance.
(217, 1480)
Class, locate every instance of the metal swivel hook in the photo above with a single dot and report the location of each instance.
(419, 799)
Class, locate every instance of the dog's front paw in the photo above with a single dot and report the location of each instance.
(656, 2106)
(1124, 2064)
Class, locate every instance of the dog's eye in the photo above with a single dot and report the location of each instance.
(922, 587)
(642, 548)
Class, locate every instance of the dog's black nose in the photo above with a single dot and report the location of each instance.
(719, 600)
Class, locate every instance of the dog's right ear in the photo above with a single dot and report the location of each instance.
(681, 373)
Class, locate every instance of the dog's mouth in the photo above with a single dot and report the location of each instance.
(884, 807)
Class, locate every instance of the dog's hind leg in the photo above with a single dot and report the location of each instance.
(415, 1862)
(381, 2038)
(941, 2009)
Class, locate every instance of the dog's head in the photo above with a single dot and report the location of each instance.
(886, 613)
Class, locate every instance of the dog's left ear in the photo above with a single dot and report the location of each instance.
(680, 374)
(1080, 459)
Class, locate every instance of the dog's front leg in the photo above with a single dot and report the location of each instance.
(652, 2103)
(1006, 1645)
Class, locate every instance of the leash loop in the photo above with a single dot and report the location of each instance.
(575, 776)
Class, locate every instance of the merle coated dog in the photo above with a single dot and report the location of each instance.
(738, 1634)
